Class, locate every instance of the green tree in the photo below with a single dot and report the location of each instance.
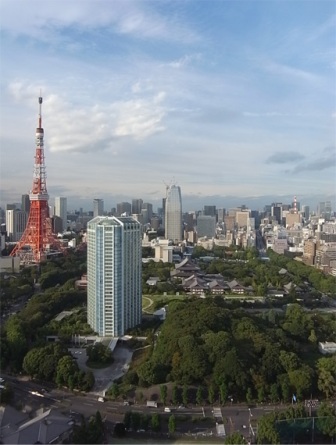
(326, 421)
(114, 391)
(172, 424)
(17, 341)
(163, 393)
(175, 395)
(99, 353)
(199, 395)
(266, 432)
(274, 393)
(326, 369)
(289, 360)
(312, 337)
(65, 368)
(32, 361)
(285, 388)
(235, 439)
(249, 395)
(223, 391)
(261, 394)
(156, 422)
(297, 322)
(185, 395)
(301, 380)
(211, 394)
(135, 421)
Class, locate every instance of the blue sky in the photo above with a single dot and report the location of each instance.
(225, 98)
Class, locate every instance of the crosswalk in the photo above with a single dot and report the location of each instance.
(220, 428)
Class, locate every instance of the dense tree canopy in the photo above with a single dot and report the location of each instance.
(203, 343)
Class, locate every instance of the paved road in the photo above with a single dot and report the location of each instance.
(235, 417)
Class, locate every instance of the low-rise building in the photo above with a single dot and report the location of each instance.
(327, 347)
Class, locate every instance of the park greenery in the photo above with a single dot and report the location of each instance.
(252, 357)
(248, 269)
(99, 355)
(24, 346)
(211, 344)
(91, 431)
(135, 421)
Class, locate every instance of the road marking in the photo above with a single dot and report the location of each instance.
(89, 404)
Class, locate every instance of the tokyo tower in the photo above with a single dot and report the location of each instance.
(37, 239)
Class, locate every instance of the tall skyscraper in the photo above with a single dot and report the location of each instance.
(220, 215)
(25, 203)
(206, 226)
(124, 207)
(324, 210)
(16, 221)
(149, 207)
(277, 211)
(61, 210)
(209, 211)
(137, 206)
(114, 290)
(305, 212)
(173, 215)
(98, 207)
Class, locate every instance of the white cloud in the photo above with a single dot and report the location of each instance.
(185, 60)
(45, 20)
(291, 72)
(95, 127)
(140, 118)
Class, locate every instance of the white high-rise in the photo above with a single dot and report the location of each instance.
(114, 292)
(61, 210)
(98, 207)
(16, 221)
(173, 214)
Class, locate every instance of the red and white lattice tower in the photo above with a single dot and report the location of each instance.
(38, 238)
(295, 205)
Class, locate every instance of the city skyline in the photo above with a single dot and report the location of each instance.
(227, 99)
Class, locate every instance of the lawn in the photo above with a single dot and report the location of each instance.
(150, 302)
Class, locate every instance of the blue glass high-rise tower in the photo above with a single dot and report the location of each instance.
(114, 293)
(173, 214)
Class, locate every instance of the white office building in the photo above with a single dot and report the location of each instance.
(98, 207)
(16, 221)
(61, 210)
(173, 214)
(114, 290)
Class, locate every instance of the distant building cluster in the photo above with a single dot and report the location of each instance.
(311, 237)
(115, 238)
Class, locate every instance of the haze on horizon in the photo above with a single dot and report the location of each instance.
(226, 98)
